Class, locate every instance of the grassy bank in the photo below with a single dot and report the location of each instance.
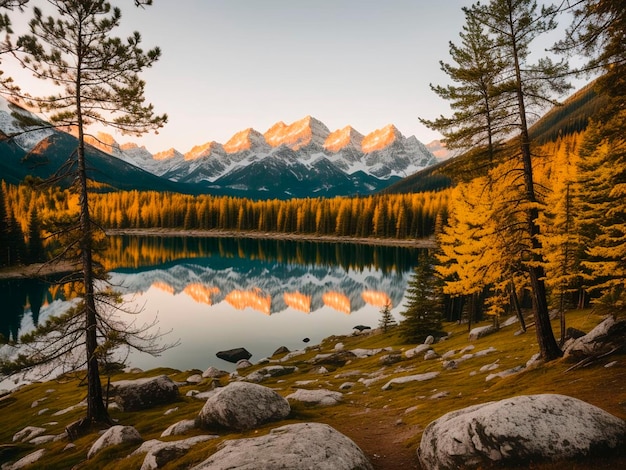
(386, 424)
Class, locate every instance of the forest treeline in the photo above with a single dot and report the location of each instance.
(401, 216)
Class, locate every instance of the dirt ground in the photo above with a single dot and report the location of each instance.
(382, 438)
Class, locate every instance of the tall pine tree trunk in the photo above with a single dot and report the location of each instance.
(548, 347)
(96, 411)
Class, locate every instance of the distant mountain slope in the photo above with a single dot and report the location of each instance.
(571, 117)
(42, 153)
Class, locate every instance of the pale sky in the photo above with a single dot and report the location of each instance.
(232, 64)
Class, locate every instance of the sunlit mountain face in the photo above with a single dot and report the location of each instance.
(298, 301)
(380, 139)
(164, 286)
(201, 293)
(337, 301)
(376, 298)
(254, 299)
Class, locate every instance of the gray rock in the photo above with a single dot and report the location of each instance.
(430, 355)
(607, 336)
(140, 394)
(243, 364)
(28, 433)
(481, 331)
(517, 430)
(241, 406)
(362, 352)
(346, 386)
(410, 378)
(448, 354)
(181, 427)
(44, 439)
(113, 436)
(159, 453)
(26, 461)
(318, 396)
(389, 359)
(281, 350)
(410, 353)
(430, 339)
(214, 373)
(295, 446)
(194, 379)
(338, 359)
(269, 372)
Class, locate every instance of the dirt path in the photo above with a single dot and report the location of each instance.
(381, 437)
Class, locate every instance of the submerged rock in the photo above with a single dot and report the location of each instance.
(234, 355)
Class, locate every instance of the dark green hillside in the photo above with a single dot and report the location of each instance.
(569, 118)
(51, 154)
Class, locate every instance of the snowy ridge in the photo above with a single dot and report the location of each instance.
(300, 159)
(26, 137)
(383, 153)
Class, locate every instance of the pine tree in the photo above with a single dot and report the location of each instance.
(477, 117)
(386, 320)
(424, 308)
(36, 251)
(4, 230)
(602, 202)
(98, 82)
(522, 88)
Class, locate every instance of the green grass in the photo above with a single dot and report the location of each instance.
(466, 385)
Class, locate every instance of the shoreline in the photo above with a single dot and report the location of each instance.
(38, 270)
(210, 233)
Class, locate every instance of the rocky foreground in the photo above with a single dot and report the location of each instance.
(287, 411)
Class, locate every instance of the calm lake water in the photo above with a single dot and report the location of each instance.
(215, 294)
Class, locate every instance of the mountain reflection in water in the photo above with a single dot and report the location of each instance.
(216, 294)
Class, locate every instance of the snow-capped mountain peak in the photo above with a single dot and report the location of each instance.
(169, 154)
(204, 150)
(342, 138)
(380, 138)
(248, 139)
(298, 134)
(301, 159)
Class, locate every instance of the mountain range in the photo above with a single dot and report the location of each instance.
(301, 159)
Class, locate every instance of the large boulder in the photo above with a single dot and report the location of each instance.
(481, 331)
(608, 336)
(241, 406)
(303, 445)
(159, 453)
(140, 394)
(318, 396)
(113, 436)
(234, 355)
(518, 430)
(337, 359)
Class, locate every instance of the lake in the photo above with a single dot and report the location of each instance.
(214, 294)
